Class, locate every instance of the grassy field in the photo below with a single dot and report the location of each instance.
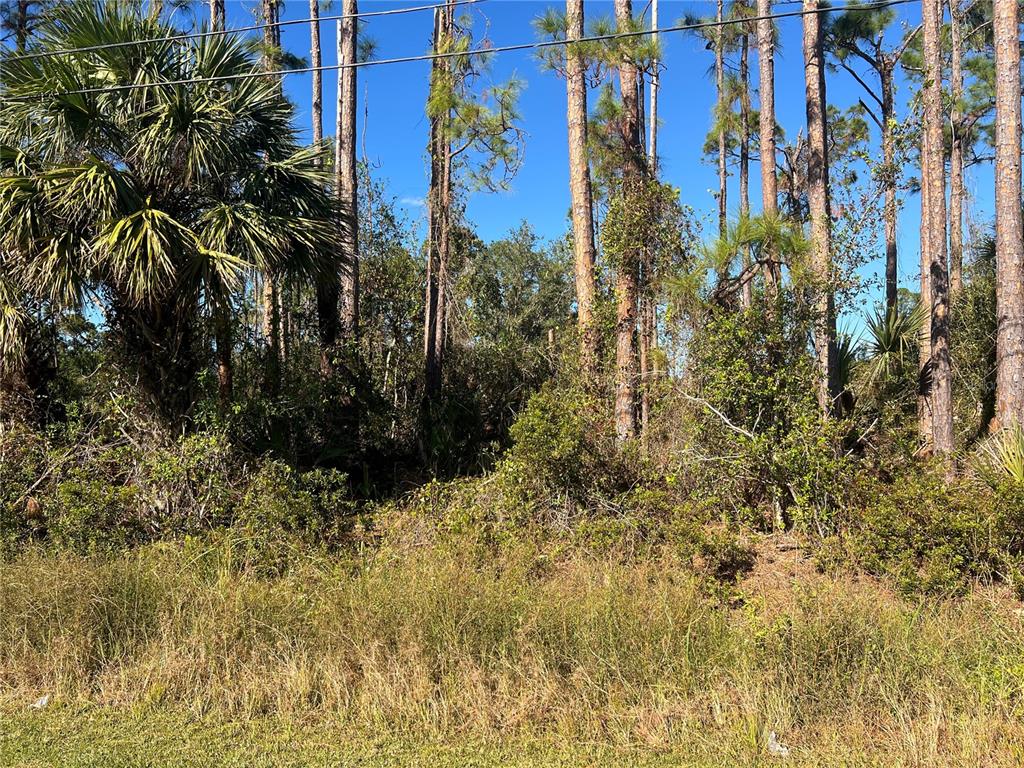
(447, 656)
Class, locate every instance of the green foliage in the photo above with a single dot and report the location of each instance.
(930, 534)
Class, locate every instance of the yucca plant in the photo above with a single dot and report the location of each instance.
(157, 201)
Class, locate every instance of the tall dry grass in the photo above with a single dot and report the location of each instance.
(442, 641)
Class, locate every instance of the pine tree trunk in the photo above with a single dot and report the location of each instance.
(327, 285)
(271, 289)
(956, 151)
(747, 296)
(941, 396)
(345, 168)
(924, 355)
(216, 14)
(817, 195)
(437, 215)
(889, 212)
(584, 247)
(627, 277)
(723, 174)
(766, 127)
(224, 343)
(1009, 244)
(652, 122)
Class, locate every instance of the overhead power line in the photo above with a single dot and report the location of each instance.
(235, 30)
(537, 45)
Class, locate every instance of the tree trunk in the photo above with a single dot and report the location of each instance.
(1009, 244)
(652, 122)
(216, 14)
(224, 343)
(327, 285)
(437, 214)
(889, 212)
(924, 355)
(766, 128)
(935, 169)
(271, 289)
(747, 296)
(626, 279)
(817, 195)
(956, 151)
(345, 170)
(723, 174)
(581, 191)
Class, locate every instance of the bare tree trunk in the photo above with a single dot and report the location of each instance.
(1009, 243)
(817, 194)
(652, 122)
(327, 285)
(747, 294)
(766, 126)
(941, 396)
(956, 151)
(723, 174)
(271, 290)
(626, 279)
(582, 193)
(924, 355)
(889, 211)
(437, 214)
(216, 14)
(345, 170)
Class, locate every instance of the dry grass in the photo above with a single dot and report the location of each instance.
(443, 643)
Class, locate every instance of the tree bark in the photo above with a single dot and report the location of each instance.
(1009, 244)
(956, 151)
(723, 174)
(224, 343)
(747, 293)
(271, 290)
(889, 211)
(216, 14)
(626, 278)
(345, 170)
(766, 127)
(924, 355)
(652, 122)
(935, 170)
(817, 194)
(584, 247)
(327, 285)
(438, 203)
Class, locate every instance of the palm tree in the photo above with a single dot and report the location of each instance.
(1009, 245)
(155, 201)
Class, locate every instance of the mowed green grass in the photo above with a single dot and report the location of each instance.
(93, 738)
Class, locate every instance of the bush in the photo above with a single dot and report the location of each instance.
(934, 535)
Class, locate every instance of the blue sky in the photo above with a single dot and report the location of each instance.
(396, 131)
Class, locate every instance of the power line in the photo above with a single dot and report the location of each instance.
(537, 45)
(251, 28)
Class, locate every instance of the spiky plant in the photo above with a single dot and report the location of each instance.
(892, 341)
(156, 201)
(1000, 458)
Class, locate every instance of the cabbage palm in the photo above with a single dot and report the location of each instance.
(157, 201)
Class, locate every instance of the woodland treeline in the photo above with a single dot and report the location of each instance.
(205, 321)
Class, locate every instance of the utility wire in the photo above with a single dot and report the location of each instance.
(251, 28)
(541, 44)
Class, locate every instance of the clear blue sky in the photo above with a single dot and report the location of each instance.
(396, 132)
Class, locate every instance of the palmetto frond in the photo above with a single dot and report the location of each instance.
(892, 341)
